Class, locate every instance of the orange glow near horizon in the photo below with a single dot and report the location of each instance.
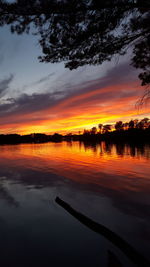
(80, 111)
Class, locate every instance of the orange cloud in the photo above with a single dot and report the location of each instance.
(80, 110)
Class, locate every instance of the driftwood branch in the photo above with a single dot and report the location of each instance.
(126, 248)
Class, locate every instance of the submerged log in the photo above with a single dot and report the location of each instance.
(124, 246)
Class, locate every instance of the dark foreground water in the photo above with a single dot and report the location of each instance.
(109, 184)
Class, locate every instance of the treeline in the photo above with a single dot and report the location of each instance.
(120, 126)
(30, 138)
(134, 130)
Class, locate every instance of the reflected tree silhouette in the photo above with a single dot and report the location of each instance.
(121, 149)
(108, 148)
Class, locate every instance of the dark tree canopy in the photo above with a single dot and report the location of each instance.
(81, 32)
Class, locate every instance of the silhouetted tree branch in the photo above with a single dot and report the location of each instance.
(81, 32)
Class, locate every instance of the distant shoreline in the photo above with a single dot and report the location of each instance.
(121, 136)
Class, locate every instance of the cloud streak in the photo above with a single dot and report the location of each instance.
(104, 99)
(4, 85)
(41, 80)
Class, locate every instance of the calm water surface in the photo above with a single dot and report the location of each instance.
(108, 183)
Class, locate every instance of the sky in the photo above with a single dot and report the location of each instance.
(48, 98)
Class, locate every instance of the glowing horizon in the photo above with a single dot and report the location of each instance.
(66, 116)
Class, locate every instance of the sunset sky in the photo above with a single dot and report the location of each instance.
(39, 97)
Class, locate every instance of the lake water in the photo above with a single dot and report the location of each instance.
(108, 183)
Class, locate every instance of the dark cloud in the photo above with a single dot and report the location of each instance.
(119, 74)
(4, 85)
(78, 95)
(27, 104)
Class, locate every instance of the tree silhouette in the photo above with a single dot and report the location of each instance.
(140, 125)
(145, 121)
(131, 124)
(119, 125)
(106, 128)
(93, 130)
(100, 126)
(125, 126)
(81, 32)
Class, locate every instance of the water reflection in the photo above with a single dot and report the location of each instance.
(5, 194)
(109, 183)
(119, 149)
(102, 230)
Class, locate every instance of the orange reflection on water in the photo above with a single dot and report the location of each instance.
(118, 167)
